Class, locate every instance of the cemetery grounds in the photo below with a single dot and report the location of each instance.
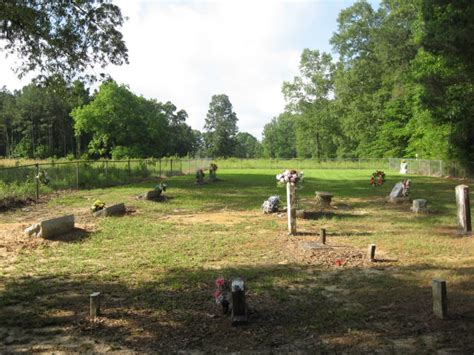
(156, 268)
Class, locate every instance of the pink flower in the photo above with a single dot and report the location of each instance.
(220, 282)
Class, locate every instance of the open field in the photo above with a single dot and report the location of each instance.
(156, 267)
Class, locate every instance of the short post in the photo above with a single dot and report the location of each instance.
(129, 169)
(171, 167)
(160, 167)
(322, 236)
(239, 307)
(440, 299)
(106, 168)
(37, 182)
(291, 207)
(77, 175)
(371, 252)
(95, 305)
(464, 208)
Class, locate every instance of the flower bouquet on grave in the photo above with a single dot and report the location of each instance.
(405, 187)
(292, 177)
(221, 294)
(377, 178)
(97, 206)
(161, 187)
(212, 172)
(200, 176)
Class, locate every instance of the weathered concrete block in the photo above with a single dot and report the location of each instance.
(464, 208)
(114, 210)
(440, 299)
(52, 227)
(419, 205)
(323, 198)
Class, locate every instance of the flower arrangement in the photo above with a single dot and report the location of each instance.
(221, 294)
(43, 177)
(377, 178)
(200, 174)
(405, 187)
(271, 205)
(97, 206)
(291, 176)
(161, 187)
(213, 167)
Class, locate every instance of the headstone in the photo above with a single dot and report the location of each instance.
(440, 299)
(291, 207)
(419, 205)
(397, 190)
(371, 252)
(150, 195)
(464, 208)
(323, 198)
(94, 304)
(52, 227)
(114, 210)
(239, 307)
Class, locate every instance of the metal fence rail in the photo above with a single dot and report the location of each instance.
(21, 182)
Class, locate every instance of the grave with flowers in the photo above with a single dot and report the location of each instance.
(200, 176)
(212, 172)
(292, 179)
(400, 192)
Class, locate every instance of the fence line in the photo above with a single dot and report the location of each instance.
(21, 181)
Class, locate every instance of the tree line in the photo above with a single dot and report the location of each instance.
(64, 120)
(401, 84)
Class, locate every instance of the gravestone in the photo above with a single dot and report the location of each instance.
(291, 207)
(420, 205)
(51, 227)
(114, 210)
(323, 198)
(397, 190)
(464, 208)
(440, 299)
(239, 307)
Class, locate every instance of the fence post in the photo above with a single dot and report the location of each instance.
(37, 181)
(106, 168)
(77, 175)
(171, 167)
(129, 170)
(180, 166)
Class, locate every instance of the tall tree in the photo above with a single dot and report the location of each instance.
(221, 127)
(62, 37)
(247, 146)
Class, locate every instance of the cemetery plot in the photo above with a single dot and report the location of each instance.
(156, 269)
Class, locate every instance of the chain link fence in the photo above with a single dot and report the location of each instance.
(20, 181)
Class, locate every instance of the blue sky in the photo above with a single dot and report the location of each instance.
(187, 51)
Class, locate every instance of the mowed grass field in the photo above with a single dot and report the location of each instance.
(156, 268)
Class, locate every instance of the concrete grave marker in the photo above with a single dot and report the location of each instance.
(114, 210)
(52, 227)
(440, 299)
(464, 208)
(397, 190)
(419, 205)
(239, 307)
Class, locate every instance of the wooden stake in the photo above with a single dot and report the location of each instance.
(371, 252)
(322, 236)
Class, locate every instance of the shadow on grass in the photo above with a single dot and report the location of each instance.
(290, 306)
(77, 235)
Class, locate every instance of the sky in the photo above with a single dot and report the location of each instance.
(187, 51)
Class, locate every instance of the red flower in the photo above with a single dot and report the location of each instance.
(220, 282)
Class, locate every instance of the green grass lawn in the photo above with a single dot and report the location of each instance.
(156, 267)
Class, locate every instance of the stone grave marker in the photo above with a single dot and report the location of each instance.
(440, 299)
(51, 227)
(114, 210)
(420, 205)
(464, 208)
(239, 307)
(323, 198)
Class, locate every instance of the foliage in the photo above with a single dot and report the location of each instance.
(43, 177)
(62, 38)
(247, 146)
(377, 178)
(161, 187)
(221, 127)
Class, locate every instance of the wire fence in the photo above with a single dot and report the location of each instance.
(21, 182)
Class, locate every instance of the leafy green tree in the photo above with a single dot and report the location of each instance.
(62, 37)
(247, 146)
(279, 139)
(221, 127)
